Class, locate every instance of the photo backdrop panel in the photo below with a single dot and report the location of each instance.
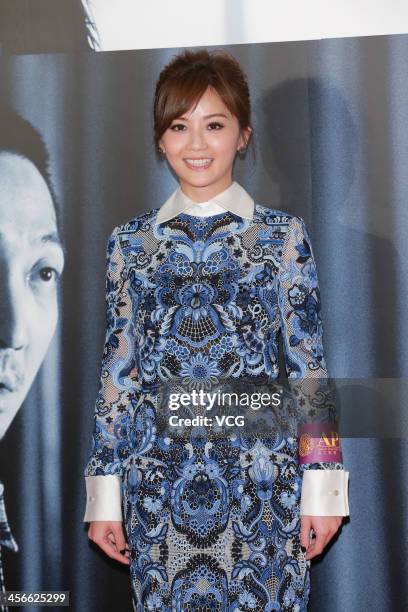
(330, 146)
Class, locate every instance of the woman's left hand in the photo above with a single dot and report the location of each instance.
(324, 528)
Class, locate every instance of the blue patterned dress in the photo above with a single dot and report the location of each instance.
(212, 521)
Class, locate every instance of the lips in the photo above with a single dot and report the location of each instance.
(198, 163)
(8, 383)
(11, 374)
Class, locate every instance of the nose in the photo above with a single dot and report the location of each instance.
(197, 140)
(13, 313)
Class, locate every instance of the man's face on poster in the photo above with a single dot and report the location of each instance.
(31, 261)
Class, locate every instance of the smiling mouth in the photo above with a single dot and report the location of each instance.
(4, 389)
(198, 164)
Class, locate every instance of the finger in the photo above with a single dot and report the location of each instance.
(123, 551)
(118, 536)
(112, 539)
(109, 550)
(125, 547)
(104, 536)
(317, 545)
(329, 537)
(333, 529)
(305, 526)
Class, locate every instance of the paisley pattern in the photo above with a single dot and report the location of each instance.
(212, 520)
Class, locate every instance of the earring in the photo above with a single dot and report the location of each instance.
(242, 151)
(161, 151)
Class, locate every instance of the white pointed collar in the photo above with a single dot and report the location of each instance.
(234, 198)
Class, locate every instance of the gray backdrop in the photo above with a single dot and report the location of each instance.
(331, 144)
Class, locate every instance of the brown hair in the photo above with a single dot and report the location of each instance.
(185, 79)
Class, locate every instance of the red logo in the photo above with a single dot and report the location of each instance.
(319, 442)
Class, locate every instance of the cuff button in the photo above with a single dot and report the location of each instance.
(336, 492)
(90, 498)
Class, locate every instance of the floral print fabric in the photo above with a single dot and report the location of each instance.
(212, 521)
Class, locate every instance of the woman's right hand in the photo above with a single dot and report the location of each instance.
(110, 537)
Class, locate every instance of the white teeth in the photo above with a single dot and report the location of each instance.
(198, 162)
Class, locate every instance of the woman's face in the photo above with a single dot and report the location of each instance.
(201, 146)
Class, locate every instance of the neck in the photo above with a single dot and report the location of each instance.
(203, 194)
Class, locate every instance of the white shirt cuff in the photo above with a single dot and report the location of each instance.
(325, 493)
(103, 498)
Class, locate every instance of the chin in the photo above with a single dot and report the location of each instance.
(8, 417)
(201, 180)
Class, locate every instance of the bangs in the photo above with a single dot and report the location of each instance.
(180, 97)
(183, 96)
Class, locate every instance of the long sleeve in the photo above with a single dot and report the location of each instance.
(324, 483)
(117, 390)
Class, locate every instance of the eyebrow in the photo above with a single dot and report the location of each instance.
(51, 237)
(208, 116)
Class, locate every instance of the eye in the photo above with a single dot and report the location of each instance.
(215, 125)
(46, 274)
(177, 127)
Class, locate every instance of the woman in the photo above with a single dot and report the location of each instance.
(198, 291)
